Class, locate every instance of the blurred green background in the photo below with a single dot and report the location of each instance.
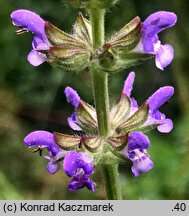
(32, 99)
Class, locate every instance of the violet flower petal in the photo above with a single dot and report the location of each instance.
(53, 167)
(128, 85)
(72, 96)
(154, 24)
(70, 163)
(74, 160)
(166, 126)
(90, 185)
(36, 58)
(160, 97)
(134, 103)
(163, 124)
(29, 21)
(72, 121)
(85, 162)
(142, 166)
(164, 56)
(79, 183)
(39, 44)
(138, 140)
(42, 139)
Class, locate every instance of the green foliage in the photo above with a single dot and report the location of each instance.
(32, 98)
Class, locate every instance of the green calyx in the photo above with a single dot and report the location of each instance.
(70, 51)
(76, 52)
(117, 53)
(123, 120)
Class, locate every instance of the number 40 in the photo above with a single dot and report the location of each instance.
(180, 207)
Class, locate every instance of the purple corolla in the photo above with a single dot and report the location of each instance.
(30, 21)
(80, 166)
(150, 42)
(138, 143)
(73, 98)
(155, 118)
(44, 139)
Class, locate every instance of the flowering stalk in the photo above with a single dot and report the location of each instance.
(110, 136)
(101, 97)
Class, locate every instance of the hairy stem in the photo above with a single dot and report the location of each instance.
(111, 178)
(101, 97)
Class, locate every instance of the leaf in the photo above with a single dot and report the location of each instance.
(58, 37)
(135, 121)
(67, 142)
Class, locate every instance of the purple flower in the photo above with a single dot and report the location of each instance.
(160, 97)
(150, 42)
(74, 99)
(30, 21)
(72, 96)
(79, 166)
(45, 139)
(72, 121)
(155, 117)
(138, 143)
(128, 87)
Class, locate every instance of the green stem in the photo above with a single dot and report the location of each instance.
(97, 22)
(101, 97)
(100, 90)
(111, 178)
